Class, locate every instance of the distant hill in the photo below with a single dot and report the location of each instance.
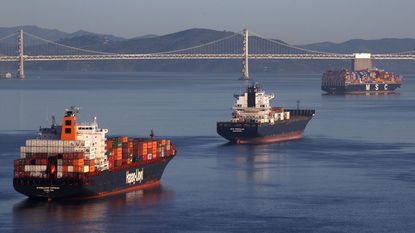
(197, 36)
(173, 41)
(52, 34)
(387, 45)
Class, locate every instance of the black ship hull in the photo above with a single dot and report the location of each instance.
(255, 133)
(363, 88)
(101, 184)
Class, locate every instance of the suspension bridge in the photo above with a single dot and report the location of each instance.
(24, 47)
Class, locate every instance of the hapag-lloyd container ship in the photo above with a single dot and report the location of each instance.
(255, 121)
(78, 161)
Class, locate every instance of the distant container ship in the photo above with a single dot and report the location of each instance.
(360, 82)
(254, 121)
(77, 161)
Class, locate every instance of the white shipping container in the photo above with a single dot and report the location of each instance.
(90, 156)
(70, 143)
(59, 174)
(79, 149)
(23, 149)
(86, 168)
(22, 155)
(59, 169)
(70, 168)
(59, 162)
(40, 143)
(33, 142)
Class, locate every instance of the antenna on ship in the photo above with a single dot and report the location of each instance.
(72, 111)
(152, 134)
(53, 121)
(298, 104)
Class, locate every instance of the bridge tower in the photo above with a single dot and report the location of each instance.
(245, 71)
(21, 74)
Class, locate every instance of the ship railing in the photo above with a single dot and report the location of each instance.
(301, 112)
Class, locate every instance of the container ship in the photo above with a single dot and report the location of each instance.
(77, 161)
(360, 82)
(254, 121)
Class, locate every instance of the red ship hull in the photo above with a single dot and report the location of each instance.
(271, 139)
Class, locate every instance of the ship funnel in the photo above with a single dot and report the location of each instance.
(69, 130)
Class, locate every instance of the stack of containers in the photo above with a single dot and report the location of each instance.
(53, 147)
(123, 151)
(63, 165)
(365, 76)
(72, 164)
(34, 166)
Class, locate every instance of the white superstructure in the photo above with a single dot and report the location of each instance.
(91, 133)
(254, 106)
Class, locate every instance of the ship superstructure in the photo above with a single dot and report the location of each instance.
(253, 106)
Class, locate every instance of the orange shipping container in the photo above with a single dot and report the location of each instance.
(123, 139)
(78, 162)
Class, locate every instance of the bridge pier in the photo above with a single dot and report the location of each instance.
(245, 71)
(21, 73)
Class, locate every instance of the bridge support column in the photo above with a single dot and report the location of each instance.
(21, 74)
(245, 71)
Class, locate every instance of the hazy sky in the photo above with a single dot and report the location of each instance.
(295, 21)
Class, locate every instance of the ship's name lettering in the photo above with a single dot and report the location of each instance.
(237, 130)
(132, 178)
(48, 189)
(385, 87)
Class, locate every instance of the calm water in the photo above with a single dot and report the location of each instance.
(353, 172)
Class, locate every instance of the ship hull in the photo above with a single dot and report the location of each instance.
(254, 133)
(101, 184)
(362, 88)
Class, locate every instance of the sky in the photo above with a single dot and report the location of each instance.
(294, 21)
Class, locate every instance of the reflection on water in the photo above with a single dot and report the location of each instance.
(255, 163)
(33, 211)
